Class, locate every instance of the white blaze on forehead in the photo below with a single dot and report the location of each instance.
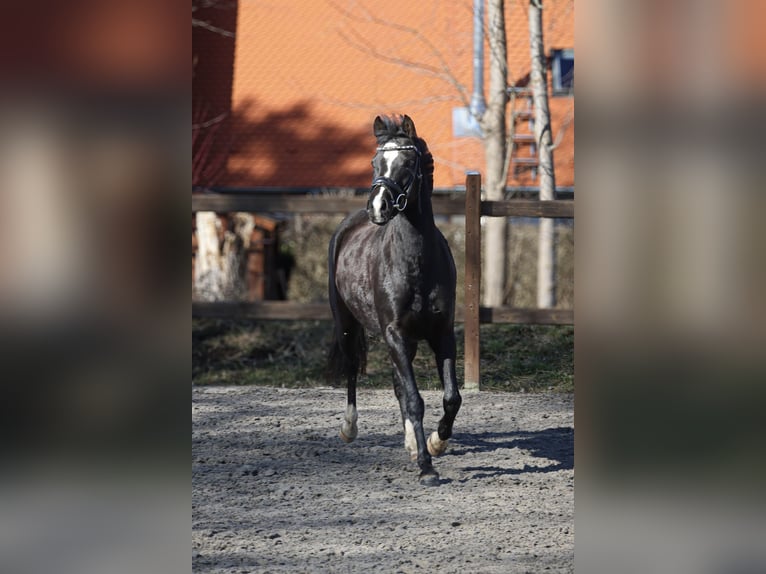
(389, 155)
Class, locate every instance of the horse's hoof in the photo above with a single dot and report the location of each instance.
(349, 435)
(436, 446)
(429, 478)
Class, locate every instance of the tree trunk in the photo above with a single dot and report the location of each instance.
(546, 283)
(494, 128)
(219, 271)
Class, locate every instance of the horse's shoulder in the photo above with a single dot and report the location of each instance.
(358, 218)
(350, 222)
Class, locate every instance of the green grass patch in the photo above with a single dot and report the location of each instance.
(291, 354)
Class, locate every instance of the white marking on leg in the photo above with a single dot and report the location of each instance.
(349, 430)
(410, 443)
(436, 446)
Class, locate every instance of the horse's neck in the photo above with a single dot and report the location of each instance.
(415, 226)
(421, 215)
(416, 231)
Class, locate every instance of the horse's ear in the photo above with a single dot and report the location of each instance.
(409, 127)
(379, 127)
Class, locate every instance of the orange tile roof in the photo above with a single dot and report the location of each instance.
(310, 77)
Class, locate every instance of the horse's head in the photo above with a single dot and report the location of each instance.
(396, 171)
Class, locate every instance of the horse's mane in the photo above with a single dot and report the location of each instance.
(394, 129)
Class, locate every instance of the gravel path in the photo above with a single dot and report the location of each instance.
(276, 490)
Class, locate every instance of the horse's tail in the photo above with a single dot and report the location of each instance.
(349, 359)
(348, 351)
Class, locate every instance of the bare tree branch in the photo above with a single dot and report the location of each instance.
(509, 144)
(218, 4)
(207, 4)
(441, 71)
(396, 105)
(206, 124)
(208, 26)
(568, 118)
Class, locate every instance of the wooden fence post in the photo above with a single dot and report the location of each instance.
(472, 279)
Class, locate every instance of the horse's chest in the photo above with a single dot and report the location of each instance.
(430, 301)
(420, 291)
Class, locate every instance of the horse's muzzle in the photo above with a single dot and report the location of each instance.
(380, 206)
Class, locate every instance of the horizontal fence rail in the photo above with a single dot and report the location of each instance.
(517, 191)
(290, 310)
(469, 204)
(322, 204)
(560, 209)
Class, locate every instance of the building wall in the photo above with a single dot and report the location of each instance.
(310, 77)
(212, 80)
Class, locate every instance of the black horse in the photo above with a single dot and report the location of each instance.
(392, 273)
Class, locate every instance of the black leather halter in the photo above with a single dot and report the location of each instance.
(402, 193)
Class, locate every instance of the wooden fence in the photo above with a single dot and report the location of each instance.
(472, 314)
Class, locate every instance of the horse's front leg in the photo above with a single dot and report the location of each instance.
(444, 351)
(401, 349)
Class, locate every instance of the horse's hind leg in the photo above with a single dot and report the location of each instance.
(353, 345)
(444, 351)
(349, 350)
(349, 429)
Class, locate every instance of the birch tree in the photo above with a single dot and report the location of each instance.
(493, 125)
(546, 284)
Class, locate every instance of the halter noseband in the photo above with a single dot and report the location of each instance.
(400, 203)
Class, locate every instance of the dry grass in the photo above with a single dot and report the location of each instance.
(293, 354)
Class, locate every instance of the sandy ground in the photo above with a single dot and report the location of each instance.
(276, 490)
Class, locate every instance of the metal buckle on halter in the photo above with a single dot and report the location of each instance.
(401, 206)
